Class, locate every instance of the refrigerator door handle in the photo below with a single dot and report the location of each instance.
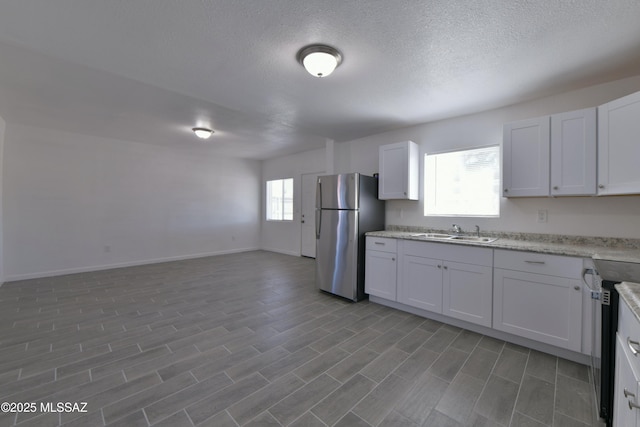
(318, 220)
(318, 208)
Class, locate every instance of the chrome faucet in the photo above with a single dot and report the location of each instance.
(478, 230)
(457, 229)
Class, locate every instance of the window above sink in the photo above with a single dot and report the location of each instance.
(463, 182)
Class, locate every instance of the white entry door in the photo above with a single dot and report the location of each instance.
(308, 215)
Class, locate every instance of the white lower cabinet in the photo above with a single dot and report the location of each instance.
(421, 284)
(536, 296)
(380, 275)
(467, 292)
(625, 394)
(457, 283)
(534, 303)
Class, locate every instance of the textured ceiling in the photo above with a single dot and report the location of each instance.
(148, 70)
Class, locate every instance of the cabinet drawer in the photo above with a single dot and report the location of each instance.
(449, 252)
(629, 330)
(531, 262)
(382, 244)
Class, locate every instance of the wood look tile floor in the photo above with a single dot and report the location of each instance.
(246, 339)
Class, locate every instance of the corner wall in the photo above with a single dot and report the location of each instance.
(79, 203)
(586, 216)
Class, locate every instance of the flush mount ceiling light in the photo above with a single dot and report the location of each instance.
(203, 133)
(319, 60)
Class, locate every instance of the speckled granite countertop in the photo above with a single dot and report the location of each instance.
(626, 250)
(630, 293)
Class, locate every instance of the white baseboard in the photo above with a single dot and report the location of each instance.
(62, 272)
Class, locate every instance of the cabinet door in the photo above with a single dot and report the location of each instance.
(540, 307)
(573, 153)
(467, 292)
(398, 168)
(625, 389)
(380, 274)
(421, 283)
(525, 169)
(619, 146)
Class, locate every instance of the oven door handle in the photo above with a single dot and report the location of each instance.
(592, 272)
(596, 291)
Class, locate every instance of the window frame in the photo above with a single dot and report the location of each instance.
(283, 200)
(427, 186)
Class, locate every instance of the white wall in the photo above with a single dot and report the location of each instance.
(2, 132)
(284, 236)
(75, 203)
(587, 216)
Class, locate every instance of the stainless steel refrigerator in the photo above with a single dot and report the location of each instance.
(347, 206)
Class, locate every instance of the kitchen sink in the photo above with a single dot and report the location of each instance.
(442, 236)
(474, 239)
(432, 235)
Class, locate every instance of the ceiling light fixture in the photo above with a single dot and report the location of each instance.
(319, 60)
(203, 133)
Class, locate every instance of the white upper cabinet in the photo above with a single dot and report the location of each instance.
(551, 155)
(398, 168)
(525, 158)
(619, 146)
(573, 153)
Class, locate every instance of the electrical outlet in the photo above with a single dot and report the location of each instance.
(542, 215)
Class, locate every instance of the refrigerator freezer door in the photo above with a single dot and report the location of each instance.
(338, 191)
(337, 253)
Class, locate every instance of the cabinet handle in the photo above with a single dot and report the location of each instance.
(534, 262)
(506, 190)
(576, 287)
(601, 186)
(632, 346)
(379, 243)
(445, 267)
(393, 259)
(439, 266)
(555, 187)
(632, 405)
